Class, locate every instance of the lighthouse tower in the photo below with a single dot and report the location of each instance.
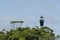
(41, 21)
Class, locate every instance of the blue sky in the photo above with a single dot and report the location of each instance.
(30, 11)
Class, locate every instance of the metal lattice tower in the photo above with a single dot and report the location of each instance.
(13, 24)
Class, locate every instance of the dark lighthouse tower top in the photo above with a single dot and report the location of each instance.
(41, 21)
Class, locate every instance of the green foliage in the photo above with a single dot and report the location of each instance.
(27, 33)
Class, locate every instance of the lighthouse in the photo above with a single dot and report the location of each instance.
(41, 21)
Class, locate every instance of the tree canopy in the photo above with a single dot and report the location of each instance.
(28, 33)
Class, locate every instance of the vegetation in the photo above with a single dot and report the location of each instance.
(27, 33)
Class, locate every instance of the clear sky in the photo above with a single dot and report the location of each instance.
(30, 11)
